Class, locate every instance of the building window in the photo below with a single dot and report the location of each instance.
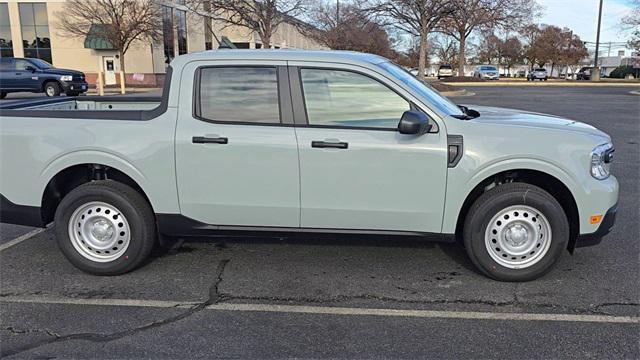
(6, 44)
(181, 17)
(167, 34)
(34, 24)
(208, 37)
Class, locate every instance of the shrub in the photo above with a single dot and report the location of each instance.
(622, 71)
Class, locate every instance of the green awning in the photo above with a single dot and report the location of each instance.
(225, 43)
(95, 41)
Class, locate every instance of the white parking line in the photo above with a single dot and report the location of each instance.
(327, 310)
(21, 238)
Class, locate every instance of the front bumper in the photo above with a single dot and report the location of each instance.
(605, 227)
(75, 86)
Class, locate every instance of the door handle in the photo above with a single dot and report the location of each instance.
(209, 140)
(329, 144)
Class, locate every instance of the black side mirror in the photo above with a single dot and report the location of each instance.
(414, 123)
(30, 68)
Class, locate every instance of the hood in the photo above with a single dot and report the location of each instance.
(56, 71)
(512, 117)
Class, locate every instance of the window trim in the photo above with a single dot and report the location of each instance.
(285, 117)
(305, 122)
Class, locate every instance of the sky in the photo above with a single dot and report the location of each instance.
(581, 16)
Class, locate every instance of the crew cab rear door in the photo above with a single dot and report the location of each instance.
(356, 170)
(236, 149)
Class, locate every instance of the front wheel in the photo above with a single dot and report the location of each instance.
(515, 232)
(52, 89)
(105, 228)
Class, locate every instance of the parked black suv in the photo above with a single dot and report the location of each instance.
(35, 75)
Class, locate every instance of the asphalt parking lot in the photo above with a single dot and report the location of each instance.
(355, 297)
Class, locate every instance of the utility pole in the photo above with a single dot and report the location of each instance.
(595, 74)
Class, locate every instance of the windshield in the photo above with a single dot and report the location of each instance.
(41, 64)
(422, 90)
(487, 68)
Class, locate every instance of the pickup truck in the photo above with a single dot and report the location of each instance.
(283, 142)
(38, 76)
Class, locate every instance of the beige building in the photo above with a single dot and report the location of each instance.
(29, 28)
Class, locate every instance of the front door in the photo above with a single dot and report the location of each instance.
(26, 76)
(109, 66)
(237, 163)
(356, 170)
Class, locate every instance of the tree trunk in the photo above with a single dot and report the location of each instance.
(266, 41)
(551, 73)
(422, 60)
(461, 59)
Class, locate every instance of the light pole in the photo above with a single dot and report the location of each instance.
(595, 74)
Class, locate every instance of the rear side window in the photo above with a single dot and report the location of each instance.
(239, 94)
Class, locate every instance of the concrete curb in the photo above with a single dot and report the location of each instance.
(457, 93)
(542, 84)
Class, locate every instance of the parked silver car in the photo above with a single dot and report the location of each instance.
(445, 71)
(488, 72)
(538, 74)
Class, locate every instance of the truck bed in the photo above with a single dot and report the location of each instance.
(90, 107)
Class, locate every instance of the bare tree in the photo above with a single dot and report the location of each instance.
(347, 27)
(121, 22)
(512, 52)
(471, 15)
(632, 22)
(446, 49)
(415, 17)
(260, 16)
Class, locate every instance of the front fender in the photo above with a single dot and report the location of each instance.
(461, 183)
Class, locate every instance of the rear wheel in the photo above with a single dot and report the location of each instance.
(52, 89)
(515, 232)
(73, 93)
(105, 228)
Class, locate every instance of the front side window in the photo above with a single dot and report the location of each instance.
(345, 98)
(34, 24)
(239, 94)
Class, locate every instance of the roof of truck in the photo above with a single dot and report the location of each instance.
(281, 55)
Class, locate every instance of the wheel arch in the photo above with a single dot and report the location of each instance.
(543, 179)
(65, 175)
(44, 84)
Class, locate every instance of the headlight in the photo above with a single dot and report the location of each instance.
(66, 78)
(601, 158)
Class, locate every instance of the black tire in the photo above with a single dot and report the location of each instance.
(52, 88)
(3, 95)
(73, 93)
(132, 206)
(502, 197)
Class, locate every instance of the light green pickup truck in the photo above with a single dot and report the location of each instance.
(282, 142)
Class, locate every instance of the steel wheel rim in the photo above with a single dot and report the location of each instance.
(518, 237)
(99, 232)
(50, 91)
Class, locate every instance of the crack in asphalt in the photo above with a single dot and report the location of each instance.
(214, 297)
